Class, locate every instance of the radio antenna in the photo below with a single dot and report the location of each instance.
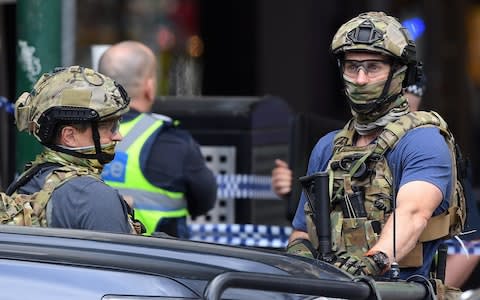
(394, 268)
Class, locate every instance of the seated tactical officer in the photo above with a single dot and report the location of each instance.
(384, 155)
(74, 112)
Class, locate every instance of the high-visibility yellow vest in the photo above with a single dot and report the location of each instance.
(124, 173)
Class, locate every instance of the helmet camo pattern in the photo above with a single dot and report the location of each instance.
(68, 95)
(375, 32)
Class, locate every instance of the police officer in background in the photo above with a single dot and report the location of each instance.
(74, 112)
(377, 58)
(157, 165)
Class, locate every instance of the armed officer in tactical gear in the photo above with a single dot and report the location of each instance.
(74, 112)
(369, 169)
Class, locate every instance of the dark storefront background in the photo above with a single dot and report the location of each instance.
(257, 48)
(276, 47)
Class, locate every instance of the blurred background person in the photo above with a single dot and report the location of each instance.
(158, 166)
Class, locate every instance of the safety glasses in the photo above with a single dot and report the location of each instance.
(371, 67)
(112, 125)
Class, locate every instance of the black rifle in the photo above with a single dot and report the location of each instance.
(315, 187)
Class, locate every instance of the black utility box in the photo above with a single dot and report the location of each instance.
(257, 128)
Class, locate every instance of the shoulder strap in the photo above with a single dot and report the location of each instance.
(56, 179)
(438, 226)
(344, 136)
(61, 175)
(31, 208)
(27, 175)
(394, 131)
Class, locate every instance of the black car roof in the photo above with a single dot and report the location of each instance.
(149, 255)
(202, 268)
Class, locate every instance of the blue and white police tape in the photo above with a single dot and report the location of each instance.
(274, 236)
(6, 105)
(245, 186)
(468, 248)
(269, 236)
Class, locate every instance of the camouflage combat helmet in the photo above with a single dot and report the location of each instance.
(377, 32)
(68, 95)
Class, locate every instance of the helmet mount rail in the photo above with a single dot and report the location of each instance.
(365, 33)
(52, 117)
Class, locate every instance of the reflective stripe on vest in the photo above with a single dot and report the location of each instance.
(150, 202)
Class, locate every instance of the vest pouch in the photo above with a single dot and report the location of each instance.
(372, 230)
(359, 235)
(414, 259)
(336, 221)
(445, 292)
(311, 229)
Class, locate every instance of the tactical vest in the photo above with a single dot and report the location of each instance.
(361, 189)
(31, 210)
(124, 173)
(34, 209)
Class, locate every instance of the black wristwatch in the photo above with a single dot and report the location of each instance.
(381, 260)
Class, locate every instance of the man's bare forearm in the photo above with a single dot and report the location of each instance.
(409, 227)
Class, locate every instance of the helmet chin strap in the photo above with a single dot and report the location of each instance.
(99, 155)
(380, 101)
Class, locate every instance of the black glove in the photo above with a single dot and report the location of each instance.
(357, 266)
(302, 247)
(139, 227)
(350, 264)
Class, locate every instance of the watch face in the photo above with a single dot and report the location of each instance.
(381, 259)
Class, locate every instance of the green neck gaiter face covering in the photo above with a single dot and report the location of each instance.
(66, 159)
(361, 97)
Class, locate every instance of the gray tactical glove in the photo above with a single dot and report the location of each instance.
(302, 247)
(373, 264)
